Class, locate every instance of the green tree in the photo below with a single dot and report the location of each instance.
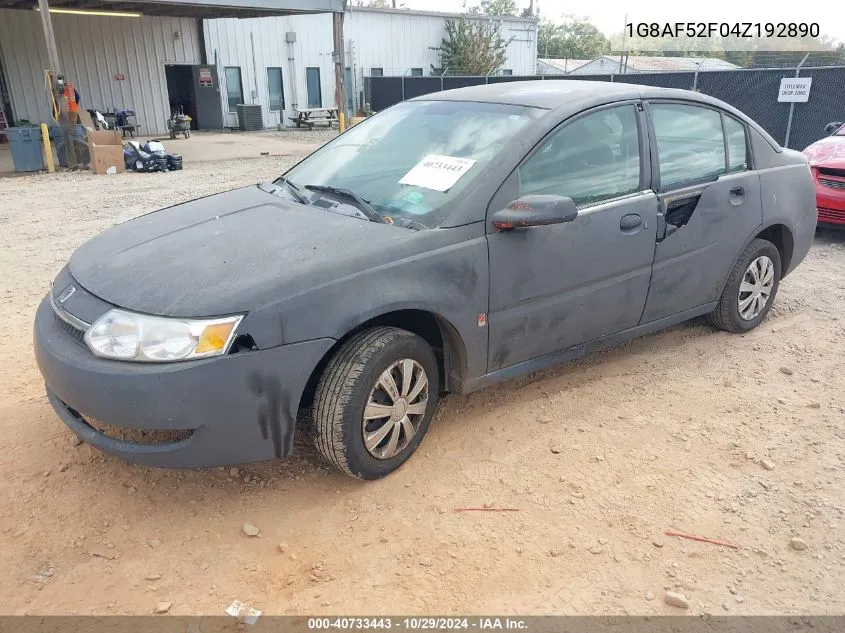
(494, 7)
(574, 38)
(472, 47)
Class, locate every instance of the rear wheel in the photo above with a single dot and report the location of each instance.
(375, 400)
(751, 289)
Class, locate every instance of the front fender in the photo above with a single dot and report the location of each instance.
(447, 275)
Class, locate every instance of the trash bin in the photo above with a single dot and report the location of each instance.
(25, 143)
(80, 136)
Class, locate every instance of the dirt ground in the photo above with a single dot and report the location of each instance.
(739, 438)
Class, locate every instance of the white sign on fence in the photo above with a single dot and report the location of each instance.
(795, 89)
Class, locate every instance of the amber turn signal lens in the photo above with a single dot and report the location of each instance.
(213, 338)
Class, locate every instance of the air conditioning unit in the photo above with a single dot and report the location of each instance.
(250, 117)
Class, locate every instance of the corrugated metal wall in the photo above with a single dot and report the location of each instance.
(93, 50)
(394, 41)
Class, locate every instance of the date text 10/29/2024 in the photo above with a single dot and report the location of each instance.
(418, 623)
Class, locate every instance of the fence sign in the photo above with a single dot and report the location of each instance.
(795, 89)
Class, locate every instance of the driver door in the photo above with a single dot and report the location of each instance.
(555, 287)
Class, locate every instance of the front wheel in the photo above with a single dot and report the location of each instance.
(375, 400)
(750, 290)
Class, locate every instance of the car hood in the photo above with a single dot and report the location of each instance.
(828, 152)
(228, 253)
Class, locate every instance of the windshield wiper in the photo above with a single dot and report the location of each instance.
(365, 207)
(297, 193)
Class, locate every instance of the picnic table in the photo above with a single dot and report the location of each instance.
(311, 116)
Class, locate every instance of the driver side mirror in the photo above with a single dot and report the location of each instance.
(530, 211)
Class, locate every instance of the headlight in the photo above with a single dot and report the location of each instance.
(125, 335)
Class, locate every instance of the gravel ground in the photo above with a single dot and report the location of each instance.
(738, 438)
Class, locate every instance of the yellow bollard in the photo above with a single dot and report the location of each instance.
(341, 121)
(48, 149)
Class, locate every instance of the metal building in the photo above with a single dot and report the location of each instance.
(261, 61)
(141, 55)
(152, 55)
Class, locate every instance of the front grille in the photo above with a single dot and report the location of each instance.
(833, 184)
(76, 334)
(149, 437)
(832, 215)
(829, 171)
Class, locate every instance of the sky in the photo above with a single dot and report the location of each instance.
(609, 15)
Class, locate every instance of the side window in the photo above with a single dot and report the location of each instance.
(690, 144)
(737, 147)
(595, 157)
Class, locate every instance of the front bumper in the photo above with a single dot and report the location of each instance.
(235, 409)
(831, 203)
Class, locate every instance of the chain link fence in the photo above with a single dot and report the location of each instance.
(752, 91)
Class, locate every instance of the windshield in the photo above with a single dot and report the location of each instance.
(411, 160)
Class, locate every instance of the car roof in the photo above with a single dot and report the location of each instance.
(570, 96)
(553, 93)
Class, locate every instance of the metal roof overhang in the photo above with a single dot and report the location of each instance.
(205, 9)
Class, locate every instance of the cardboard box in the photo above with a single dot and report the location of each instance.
(106, 151)
(85, 120)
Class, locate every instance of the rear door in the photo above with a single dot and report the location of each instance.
(709, 203)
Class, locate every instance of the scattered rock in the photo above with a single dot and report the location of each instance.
(555, 553)
(247, 479)
(154, 542)
(657, 542)
(234, 472)
(786, 370)
(383, 539)
(162, 607)
(602, 541)
(739, 599)
(767, 464)
(732, 589)
(595, 549)
(250, 530)
(152, 577)
(675, 599)
(544, 419)
(649, 595)
(101, 554)
(726, 606)
(814, 405)
(554, 448)
(132, 489)
(283, 547)
(425, 562)
(75, 441)
(798, 543)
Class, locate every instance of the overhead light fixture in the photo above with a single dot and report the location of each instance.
(108, 14)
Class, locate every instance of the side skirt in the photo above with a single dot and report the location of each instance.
(579, 351)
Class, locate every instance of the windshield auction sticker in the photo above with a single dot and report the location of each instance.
(439, 173)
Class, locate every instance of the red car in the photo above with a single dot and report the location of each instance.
(827, 160)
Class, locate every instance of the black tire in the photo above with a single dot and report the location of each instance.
(726, 316)
(345, 387)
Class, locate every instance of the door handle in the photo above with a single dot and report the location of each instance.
(630, 222)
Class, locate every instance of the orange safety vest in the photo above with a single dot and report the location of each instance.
(70, 98)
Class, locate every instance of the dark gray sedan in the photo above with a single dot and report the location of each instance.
(442, 245)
